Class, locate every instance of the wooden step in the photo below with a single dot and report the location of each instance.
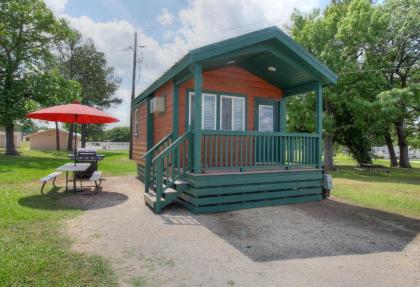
(150, 199)
(170, 191)
(181, 185)
(180, 182)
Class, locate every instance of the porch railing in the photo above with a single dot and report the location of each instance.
(230, 149)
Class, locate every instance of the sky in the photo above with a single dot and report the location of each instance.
(168, 29)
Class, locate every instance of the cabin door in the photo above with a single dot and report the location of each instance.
(266, 119)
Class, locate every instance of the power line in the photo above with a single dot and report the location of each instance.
(373, 70)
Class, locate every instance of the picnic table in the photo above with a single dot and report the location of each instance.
(73, 167)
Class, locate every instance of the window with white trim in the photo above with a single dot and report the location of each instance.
(136, 122)
(232, 113)
(208, 110)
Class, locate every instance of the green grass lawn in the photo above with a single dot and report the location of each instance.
(397, 192)
(33, 250)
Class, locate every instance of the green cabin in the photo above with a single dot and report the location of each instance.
(240, 154)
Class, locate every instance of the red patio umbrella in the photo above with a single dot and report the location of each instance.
(75, 113)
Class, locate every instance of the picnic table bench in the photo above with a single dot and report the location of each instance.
(45, 179)
(97, 179)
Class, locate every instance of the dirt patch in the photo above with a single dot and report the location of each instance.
(327, 243)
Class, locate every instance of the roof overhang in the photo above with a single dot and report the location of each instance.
(269, 54)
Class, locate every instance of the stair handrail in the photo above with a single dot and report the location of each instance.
(169, 148)
(148, 156)
(159, 161)
(158, 145)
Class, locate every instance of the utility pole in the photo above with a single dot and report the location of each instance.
(133, 94)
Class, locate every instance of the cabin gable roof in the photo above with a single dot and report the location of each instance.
(255, 52)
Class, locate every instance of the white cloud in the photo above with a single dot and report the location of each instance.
(201, 22)
(165, 18)
(57, 6)
(121, 111)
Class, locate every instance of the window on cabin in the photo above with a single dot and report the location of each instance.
(208, 111)
(266, 118)
(136, 122)
(232, 113)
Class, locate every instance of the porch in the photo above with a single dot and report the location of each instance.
(237, 170)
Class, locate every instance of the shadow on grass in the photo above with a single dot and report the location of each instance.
(86, 200)
(307, 230)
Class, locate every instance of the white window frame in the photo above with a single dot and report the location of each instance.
(259, 119)
(191, 94)
(232, 120)
(136, 122)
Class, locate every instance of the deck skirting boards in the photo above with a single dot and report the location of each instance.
(224, 192)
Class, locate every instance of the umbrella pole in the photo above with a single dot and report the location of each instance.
(75, 141)
(75, 152)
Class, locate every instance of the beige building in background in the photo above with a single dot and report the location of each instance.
(18, 139)
(45, 140)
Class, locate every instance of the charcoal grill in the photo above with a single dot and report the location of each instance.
(85, 155)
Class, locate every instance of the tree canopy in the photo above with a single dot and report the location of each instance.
(28, 31)
(43, 62)
(373, 48)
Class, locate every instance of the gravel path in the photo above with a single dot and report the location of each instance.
(325, 243)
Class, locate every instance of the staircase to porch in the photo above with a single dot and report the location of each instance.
(166, 163)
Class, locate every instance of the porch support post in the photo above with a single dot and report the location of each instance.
(197, 118)
(175, 117)
(282, 114)
(318, 94)
(282, 128)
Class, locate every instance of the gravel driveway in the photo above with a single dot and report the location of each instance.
(327, 243)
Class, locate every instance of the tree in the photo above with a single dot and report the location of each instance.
(118, 134)
(51, 88)
(326, 36)
(96, 133)
(397, 54)
(347, 36)
(82, 62)
(401, 105)
(28, 29)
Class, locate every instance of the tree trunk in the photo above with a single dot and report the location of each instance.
(10, 140)
(391, 150)
(57, 137)
(70, 138)
(84, 135)
(402, 143)
(328, 153)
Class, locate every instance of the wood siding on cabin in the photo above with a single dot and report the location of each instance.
(162, 122)
(140, 141)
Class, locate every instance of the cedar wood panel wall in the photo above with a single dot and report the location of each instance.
(140, 141)
(230, 79)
